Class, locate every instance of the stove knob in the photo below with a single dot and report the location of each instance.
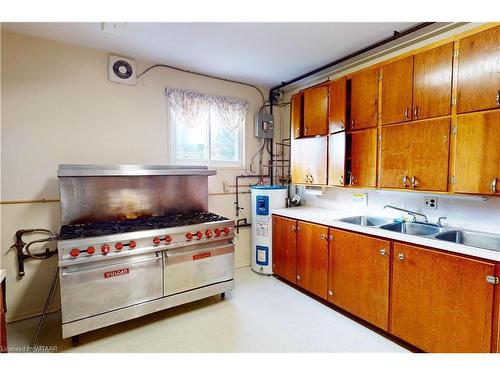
(118, 246)
(217, 232)
(168, 238)
(189, 236)
(90, 250)
(199, 235)
(226, 230)
(132, 244)
(105, 249)
(156, 241)
(208, 233)
(74, 252)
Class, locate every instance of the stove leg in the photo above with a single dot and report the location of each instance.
(75, 340)
(223, 296)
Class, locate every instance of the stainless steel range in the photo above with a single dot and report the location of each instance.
(135, 240)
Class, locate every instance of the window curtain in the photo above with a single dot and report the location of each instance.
(192, 108)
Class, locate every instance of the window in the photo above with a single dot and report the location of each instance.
(206, 129)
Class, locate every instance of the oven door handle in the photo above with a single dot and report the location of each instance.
(65, 272)
(201, 250)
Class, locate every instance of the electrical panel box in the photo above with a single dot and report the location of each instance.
(264, 125)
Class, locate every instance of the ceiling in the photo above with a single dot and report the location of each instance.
(259, 53)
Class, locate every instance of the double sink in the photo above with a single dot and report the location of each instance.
(463, 237)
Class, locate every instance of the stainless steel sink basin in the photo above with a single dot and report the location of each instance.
(415, 229)
(366, 221)
(476, 239)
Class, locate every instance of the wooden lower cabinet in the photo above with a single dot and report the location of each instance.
(441, 302)
(285, 248)
(312, 258)
(358, 275)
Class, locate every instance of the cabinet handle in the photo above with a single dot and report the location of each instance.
(383, 252)
(414, 182)
(352, 124)
(498, 98)
(401, 257)
(407, 110)
(306, 130)
(330, 238)
(330, 293)
(341, 180)
(494, 185)
(353, 180)
(415, 113)
(311, 179)
(306, 178)
(342, 126)
(292, 228)
(324, 237)
(298, 277)
(405, 181)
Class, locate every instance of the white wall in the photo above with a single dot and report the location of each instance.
(59, 107)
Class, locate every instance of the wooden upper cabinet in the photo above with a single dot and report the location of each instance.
(441, 302)
(316, 110)
(416, 155)
(362, 158)
(336, 159)
(296, 115)
(337, 107)
(285, 248)
(397, 90)
(364, 99)
(429, 155)
(309, 158)
(477, 153)
(312, 258)
(479, 71)
(358, 276)
(432, 82)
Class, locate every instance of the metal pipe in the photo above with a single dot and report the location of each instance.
(237, 201)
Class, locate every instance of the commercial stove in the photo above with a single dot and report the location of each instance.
(135, 240)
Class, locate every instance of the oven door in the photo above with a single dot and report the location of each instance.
(191, 268)
(98, 287)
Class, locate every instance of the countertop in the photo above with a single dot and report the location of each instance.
(3, 273)
(330, 218)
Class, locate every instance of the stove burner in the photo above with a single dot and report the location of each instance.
(154, 222)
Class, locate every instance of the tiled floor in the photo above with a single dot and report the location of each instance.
(262, 314)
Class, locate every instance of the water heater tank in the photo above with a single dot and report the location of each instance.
(264, 199)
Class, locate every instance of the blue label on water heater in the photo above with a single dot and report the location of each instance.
(262, 204)
(262, 255)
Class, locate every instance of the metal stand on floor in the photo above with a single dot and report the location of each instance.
(48, 303)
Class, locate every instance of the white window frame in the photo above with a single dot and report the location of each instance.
(219, 164)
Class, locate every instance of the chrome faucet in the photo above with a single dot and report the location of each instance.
(412, 213)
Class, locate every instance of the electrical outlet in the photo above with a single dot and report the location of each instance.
(431, 203)
(225, 187)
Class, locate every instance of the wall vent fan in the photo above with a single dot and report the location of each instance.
(122, 70)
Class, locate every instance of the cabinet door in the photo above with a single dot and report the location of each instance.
(397, 90)
(496, 317)
(429, 151)
(363, 158)
(479, 71)
(296, 115)
(316, 111)
(312, 258)
(364, 99)
(432, 82)
(477, 154)
(337, 105)
(336, 159)
(395, 156)
(441, 302)
(358, 276)
(284, 248)
(416, 155)
(309, 158)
